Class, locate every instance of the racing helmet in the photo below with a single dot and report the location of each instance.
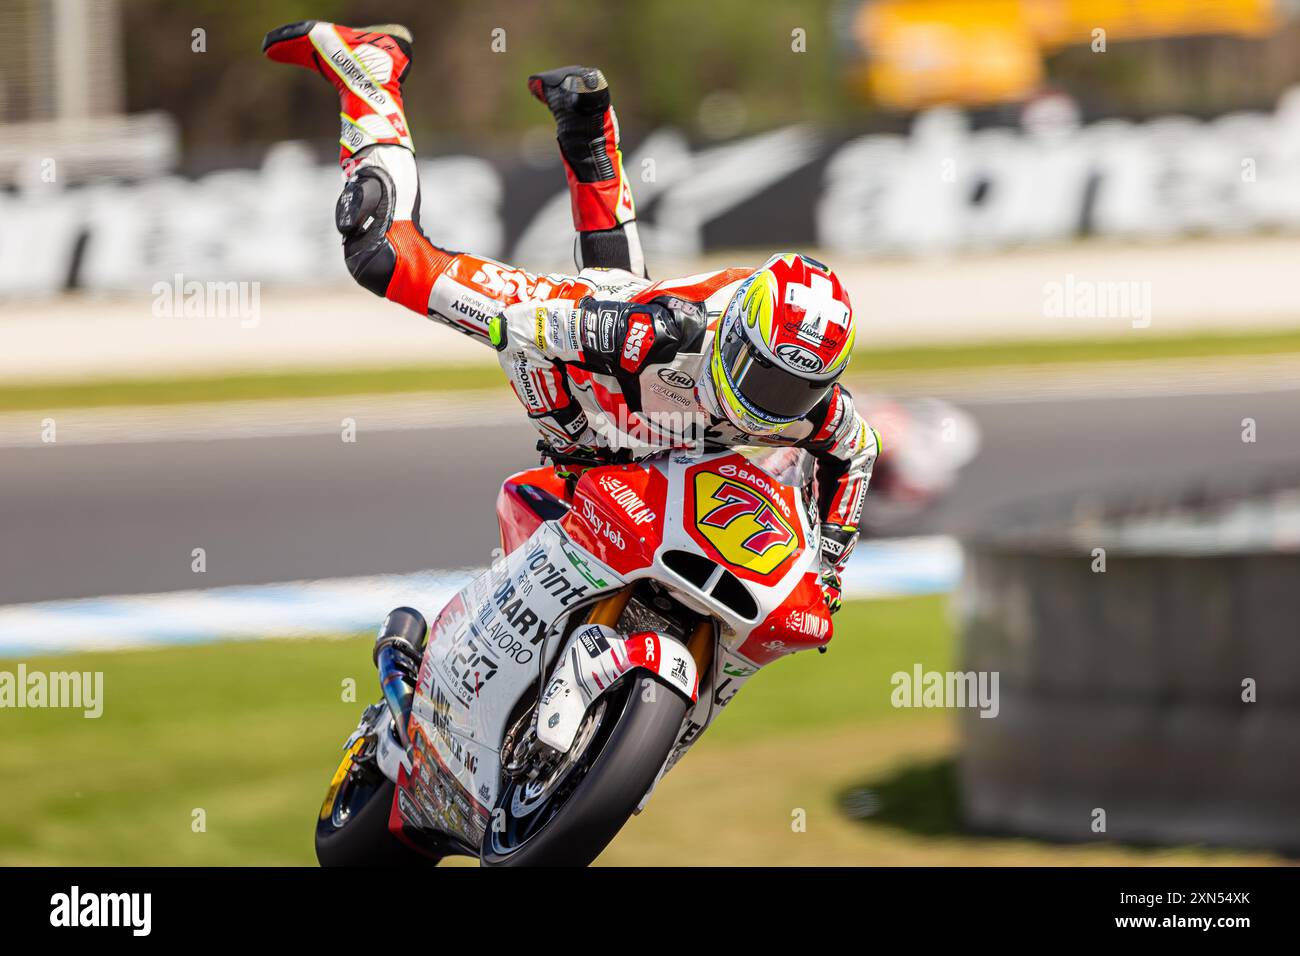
(780, 344)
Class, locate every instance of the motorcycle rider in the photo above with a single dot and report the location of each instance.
(604, 359)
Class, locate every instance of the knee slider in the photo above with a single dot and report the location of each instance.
(362, 215)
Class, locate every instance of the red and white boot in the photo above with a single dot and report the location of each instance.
(365, 64)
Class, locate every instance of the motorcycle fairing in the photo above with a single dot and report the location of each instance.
(792, 613)
(525, 501)
(596, 657)
(483, 654)
(739, 516)
(484, 649)
(619, 514)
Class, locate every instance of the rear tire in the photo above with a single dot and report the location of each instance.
(352, 829)
(617, 770)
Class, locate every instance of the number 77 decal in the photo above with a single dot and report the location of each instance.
(741, 523)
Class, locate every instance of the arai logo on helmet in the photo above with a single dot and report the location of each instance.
(798, 357)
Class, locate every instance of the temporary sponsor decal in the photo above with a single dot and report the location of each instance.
(600, 525)
(593, 641)
(759, 479)
(808, 624)
(799, 623)
(584, 568)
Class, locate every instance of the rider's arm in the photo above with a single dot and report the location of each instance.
(845, 447)
(601, 195)
(537, 341)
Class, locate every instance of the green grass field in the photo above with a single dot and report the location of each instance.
(427, 379)
(249, 732)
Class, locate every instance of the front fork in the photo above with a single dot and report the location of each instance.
(700, 643)
(597, 656)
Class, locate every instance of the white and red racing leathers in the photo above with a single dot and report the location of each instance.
(605, 357)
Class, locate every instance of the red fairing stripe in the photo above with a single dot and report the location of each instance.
(800, 621)
(515, 518)
(395, 819)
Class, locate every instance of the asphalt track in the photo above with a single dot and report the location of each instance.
(85, 520)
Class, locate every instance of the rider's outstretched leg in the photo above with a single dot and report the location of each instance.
(378, 210)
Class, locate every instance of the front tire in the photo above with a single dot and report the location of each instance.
(571, 826)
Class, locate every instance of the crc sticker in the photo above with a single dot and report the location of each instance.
(742, 523)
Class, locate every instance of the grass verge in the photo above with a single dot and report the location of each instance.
(432, 379)
(247, 733)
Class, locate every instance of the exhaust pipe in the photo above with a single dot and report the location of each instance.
(398, 649)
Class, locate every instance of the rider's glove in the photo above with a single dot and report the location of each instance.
(831, 588)
(576, 459)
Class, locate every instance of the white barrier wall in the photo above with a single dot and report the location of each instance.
(944, 187)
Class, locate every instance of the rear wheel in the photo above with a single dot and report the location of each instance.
(352, 827)
(567, 815)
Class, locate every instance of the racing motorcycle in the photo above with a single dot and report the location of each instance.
(538, 712)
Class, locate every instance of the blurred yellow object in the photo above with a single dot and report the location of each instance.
(1059, 23)
(926, 52)
(948, 51)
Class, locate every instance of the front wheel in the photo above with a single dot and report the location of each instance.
(567, 816)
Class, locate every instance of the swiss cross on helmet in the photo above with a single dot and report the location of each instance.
(783, 340)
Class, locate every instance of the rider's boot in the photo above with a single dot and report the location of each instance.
(587, 130)
(365, 64)
(377, 210)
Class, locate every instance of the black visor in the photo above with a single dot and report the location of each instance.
(766, 390)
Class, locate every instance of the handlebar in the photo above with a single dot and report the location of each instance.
(592, 458)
